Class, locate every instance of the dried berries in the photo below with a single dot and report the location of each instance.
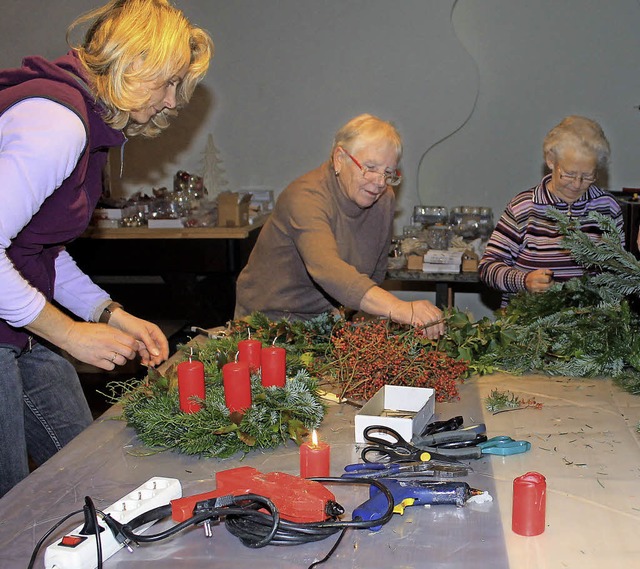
(365, 355)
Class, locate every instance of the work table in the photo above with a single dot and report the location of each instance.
(584, 441)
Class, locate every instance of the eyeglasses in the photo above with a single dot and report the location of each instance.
(390, 178)
(575, 178)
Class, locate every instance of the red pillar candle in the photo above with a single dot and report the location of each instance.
(190, 384)
(315, 458)
(237, 386)
(249, 351)
(274, 366)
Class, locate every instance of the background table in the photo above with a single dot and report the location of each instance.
(187, 273)
(584, 441)
(445, 284)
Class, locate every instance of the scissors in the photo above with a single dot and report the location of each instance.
(394, 449)
(501, 445)
(402, 469)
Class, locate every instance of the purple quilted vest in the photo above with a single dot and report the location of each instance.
(67, 212)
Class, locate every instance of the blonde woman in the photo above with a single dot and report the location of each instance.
(140, 60)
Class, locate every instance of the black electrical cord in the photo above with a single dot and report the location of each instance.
(127, 530)
(243, 519)
(36, 549)
(88, 510)
(94, 520)
(253, 524)
(257, 528)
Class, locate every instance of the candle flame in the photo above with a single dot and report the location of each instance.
(314, 438)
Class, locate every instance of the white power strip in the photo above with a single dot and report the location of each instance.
(78, 551)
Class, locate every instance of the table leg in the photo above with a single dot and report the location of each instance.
(444, 295)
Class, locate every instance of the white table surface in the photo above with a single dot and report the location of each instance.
(584, 441)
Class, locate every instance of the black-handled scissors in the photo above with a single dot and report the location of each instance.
(394, 449)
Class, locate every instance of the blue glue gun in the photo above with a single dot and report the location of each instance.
(407, 493)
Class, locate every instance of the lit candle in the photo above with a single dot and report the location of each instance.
(190, 385)
(249, 351)
(274, 366)
(315, 458)
(237, 386)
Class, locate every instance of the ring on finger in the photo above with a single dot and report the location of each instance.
(114, 356)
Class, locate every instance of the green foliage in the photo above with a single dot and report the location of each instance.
(584, 327)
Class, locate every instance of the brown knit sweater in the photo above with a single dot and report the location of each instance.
(317, 251)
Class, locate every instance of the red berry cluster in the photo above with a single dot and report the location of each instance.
(369, 354)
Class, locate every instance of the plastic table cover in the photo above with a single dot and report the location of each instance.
(584, 441)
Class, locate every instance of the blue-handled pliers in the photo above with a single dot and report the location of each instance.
(403, 469)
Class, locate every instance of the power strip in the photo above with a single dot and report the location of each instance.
(78, 551)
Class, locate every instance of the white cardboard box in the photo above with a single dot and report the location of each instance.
(419, 402)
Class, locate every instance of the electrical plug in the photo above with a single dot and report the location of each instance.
(116, 530)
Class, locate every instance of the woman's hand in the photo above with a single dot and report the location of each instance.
(419, 313)
(102, 345)
(152, 344)
(538, 280)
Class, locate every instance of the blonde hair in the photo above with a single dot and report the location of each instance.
(580, 134)
(363, 129)
(134, 41)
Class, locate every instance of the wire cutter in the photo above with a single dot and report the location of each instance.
(501, 445)
(394, 449)
(402, 470)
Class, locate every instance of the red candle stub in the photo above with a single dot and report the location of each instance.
(274, 366)
(529, 504)
(315, 458)
(249, 351)
(237, 386)
(190, 385)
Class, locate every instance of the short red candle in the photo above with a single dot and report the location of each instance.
(237, 386)
(249, 351)
(315, 458)
(190, 384)
(274, 366)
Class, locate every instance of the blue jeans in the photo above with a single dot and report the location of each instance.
(42, 407)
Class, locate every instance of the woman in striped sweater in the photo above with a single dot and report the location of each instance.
(525, 250)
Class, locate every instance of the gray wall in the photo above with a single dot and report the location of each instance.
(473, 85)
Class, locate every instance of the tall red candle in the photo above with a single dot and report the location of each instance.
(190, 384)
(237, 386)
(249, 351)
(315, 458)
(274, 366)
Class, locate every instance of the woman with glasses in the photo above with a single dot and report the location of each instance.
(138, 61)
(326, 244)
(525, 250)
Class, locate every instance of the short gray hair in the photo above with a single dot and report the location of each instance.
(580, 134)
(365, 128)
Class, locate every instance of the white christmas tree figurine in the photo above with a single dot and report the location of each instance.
(212, 171)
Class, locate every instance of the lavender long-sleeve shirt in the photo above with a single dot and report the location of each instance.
(40, 144)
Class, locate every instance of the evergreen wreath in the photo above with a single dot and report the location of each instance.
(277, 414)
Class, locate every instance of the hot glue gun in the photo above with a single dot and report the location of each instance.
(412, 494)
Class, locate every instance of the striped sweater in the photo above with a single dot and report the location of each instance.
(525, 238)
